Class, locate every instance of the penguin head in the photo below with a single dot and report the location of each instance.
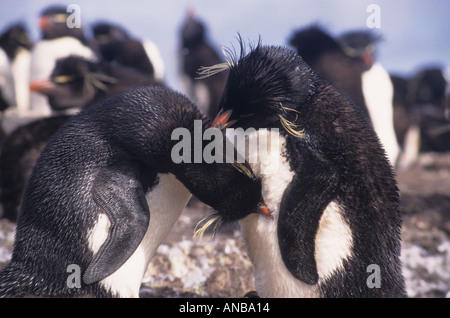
(108, 32)
(240, 196)
(266, 88)
(428, 87)
(312, 42)
(108, 38)
(53, 24)
(75, 81)
(192, 32)
(14, 38)
(360, 45)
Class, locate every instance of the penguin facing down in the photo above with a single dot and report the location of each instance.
(105, 192)
(328, 184)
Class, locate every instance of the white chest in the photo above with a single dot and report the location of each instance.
(166, 202)
(378, 93)
(333, 241)
(272, 278)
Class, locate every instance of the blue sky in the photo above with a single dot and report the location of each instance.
(415, 31)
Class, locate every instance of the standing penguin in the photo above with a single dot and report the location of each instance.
(329, 186)
(324, 54)
(17, 45)
(105, 192)
(377, 88)
(58, 40)
(348, 62)
(196, 52)
(115, 44)
(7, 94)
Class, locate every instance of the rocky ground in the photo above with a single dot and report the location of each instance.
(219, 266)
(425, 203)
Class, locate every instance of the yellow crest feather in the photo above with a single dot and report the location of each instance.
(291, 127)
(242, 168)
(207, 71)
(204, 224)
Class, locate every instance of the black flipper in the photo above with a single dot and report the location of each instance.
(301, 208)
(117, 190)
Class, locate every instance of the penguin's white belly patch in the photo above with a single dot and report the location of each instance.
(333, 245)
(166, 202)
(333, 242)
(99, 232)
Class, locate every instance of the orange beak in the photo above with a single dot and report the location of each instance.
(367, 58)
(265, 211)
(45, 23)
(42, 86)
(221, 120)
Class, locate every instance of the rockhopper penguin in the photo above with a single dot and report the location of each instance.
(333, 197)
(17, 45)
(105, 192)
(58, 41)
(114, 44)
(77, 82)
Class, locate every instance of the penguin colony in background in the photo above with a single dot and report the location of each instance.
(57, 41)
(15, 49)
(115, 44)
(60, 41)
(348, 62)
(334, 200)
(421, 115)
(75, 83)
(196, 53)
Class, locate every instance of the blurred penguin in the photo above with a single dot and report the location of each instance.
(58, 40)
(427, 90)
(377, 88)
(196, 52)
(420, 114)
(402, 114)
(16, 44)
(348, 63)
(325, 56)
(7, 97)
(77, 82)
(115, 44)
